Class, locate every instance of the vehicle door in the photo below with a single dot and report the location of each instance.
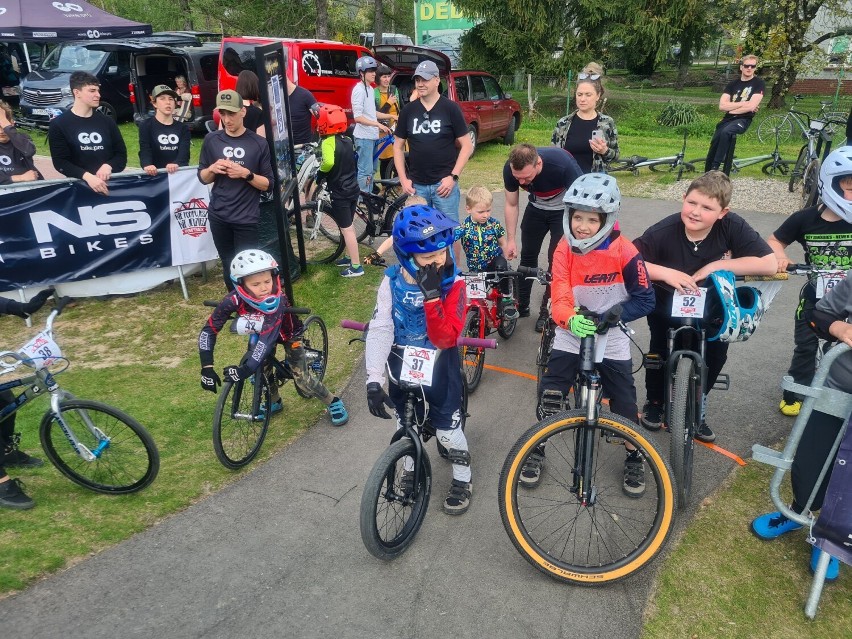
(115, 84)
(502, 109)
(484, 107)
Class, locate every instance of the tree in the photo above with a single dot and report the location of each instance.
(322, 19)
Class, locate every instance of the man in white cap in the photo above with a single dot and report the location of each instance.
(438, 144)
(238, 164)
(163, 141)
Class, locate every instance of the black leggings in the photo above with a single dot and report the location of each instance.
(811, 455)
(536, 224)
(229, 240)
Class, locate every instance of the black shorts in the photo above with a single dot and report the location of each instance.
(343, 211)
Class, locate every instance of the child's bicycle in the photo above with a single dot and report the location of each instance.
(577, 525)
(92, 444)
(396, 494)
(548, 333)
(243, 410)
(484, 315)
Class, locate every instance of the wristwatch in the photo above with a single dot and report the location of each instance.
(249, 177)
(455, 177)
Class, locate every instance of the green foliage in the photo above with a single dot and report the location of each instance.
(678, 114)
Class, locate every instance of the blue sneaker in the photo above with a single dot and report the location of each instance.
(772, 525)
(276, 407)
(338, 413)
(833, 570)
(343, 262)
(352, 271)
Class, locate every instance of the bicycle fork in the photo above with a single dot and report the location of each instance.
(584, 441)
(407, 430)
(79, 448)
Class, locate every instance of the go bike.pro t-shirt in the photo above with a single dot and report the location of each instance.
(83, 145)
(16, 155)
(161, 144)
(234, 200)
(431, 136)
(741, 91)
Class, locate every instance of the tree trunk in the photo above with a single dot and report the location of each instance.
(187, 15)
(322, 19)
(784, 77)
(378, 23)
(684, 59)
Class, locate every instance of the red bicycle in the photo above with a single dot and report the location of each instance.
(488, 310)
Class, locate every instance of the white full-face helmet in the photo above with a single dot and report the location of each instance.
(253, 261)
(595, 193)
(835, 167)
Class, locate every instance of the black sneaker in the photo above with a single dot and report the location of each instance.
(523, 311)
(704, 434)
(652, 415)
(458, 498)
(541, 321)
(406, 482)
(508, 310)
(12, 496)
(14, 457)
(634, 475)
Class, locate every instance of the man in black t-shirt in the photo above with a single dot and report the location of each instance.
(545, 173)
(303, 107)
(238, 164)
(16, 151)
(438, 144)
(84, 143)
(739, 101)
(163, 141)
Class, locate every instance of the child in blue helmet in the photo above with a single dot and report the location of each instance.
(421, 302)
(259, 303)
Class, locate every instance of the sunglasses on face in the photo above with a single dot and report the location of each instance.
(749, 66)
(588, 76)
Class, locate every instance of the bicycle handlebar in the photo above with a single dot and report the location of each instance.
(292, 310)
(473, 342)
(535, 273)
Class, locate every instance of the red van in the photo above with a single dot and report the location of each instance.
(326, 68)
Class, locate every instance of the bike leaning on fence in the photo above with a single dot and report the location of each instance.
(94, 445)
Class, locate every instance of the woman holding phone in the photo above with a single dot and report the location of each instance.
(586, 134)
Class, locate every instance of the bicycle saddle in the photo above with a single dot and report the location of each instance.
(636, 159)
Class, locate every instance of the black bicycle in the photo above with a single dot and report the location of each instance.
(244, 408)
(396, 494)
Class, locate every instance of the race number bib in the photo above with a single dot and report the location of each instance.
(476, 288)
(827, 281)
(42, 350)
(248, 324)
(417, 365)
(690, 304)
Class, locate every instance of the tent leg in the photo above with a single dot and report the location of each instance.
(183, 283)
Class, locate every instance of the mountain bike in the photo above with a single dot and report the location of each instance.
(94, 445)
(484, 315)
(668, 164)
(577, 525)
(243, 410)
(805, 171)
(396, 494)
(776, 165)
(783, 126)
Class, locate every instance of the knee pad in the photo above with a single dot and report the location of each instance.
(459, 457)
(452, 439)
(551, 402)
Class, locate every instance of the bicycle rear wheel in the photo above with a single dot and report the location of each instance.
(390, 515)
(772, 125)
(315, 341)
(665, 166)
(810, 183)
(241, 420)
(125, 457)
(685, 386)
(323, 241)
(605, 539)
(472, 358)
(798, 171)
(622, 165)
(776, 168)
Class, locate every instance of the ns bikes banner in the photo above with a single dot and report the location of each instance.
(66, 232)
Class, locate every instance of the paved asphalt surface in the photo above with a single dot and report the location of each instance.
(278, 553)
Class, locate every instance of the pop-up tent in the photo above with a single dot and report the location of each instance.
(54, 21)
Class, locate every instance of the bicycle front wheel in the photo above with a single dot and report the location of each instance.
(241, 420)
(315, 342)
(798, 171)
(772, 125)
(810, 183)
(684, 422)
(323, 241)
(665, 166)
(586, 542)
(392, 507)
(776, 168)
(545, 347)
(125, 458)
(472, 358)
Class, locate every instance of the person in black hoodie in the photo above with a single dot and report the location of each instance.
(16, 151)
(163, 141)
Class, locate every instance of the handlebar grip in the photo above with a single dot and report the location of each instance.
(528, 270)
(61, 303)
(296, 310)
(211, 303)
(356, 326)
(475, 342)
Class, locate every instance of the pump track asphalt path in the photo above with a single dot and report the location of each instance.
(278, 553)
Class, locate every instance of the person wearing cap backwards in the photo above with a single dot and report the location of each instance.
(163, 141)
(84, 143)
(367, 121)
(238, 164)
(438, 144)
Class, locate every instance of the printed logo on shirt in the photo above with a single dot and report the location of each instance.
(600, 278)
(5, 160)
(67, 7)
(425, 127)
(90, 141)
(231, 152)
(164, 139)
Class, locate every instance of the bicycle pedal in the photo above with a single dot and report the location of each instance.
(652, 362)
(723, 382)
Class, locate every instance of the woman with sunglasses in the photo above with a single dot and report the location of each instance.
(586, 134)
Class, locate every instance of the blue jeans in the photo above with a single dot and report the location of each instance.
(449, 205)
(366, 164)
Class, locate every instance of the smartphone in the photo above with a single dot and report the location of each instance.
(597, 135)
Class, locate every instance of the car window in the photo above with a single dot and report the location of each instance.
(209, 67)
(462, 88)
(120, 59)
(237, 57)
(492, 89)
(477, 88)
(339, 63)
(70, 58)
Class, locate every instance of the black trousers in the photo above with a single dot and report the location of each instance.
(806, 342)
(499, 263)
(229, 240)
(536, 224)
(722, 140)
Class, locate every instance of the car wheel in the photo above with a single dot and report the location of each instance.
(509, 138)
(472, 134)
(108, 110)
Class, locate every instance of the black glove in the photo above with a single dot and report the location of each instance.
(210, 380)
(609, 318)
(37, 301)
(429, 280)
(234, 373)
(377, 399)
